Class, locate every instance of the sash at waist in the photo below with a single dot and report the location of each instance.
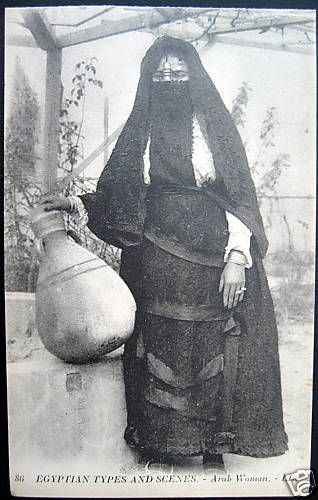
(162, 189)
(179, 250)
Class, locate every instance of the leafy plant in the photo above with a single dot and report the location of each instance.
(71, 149)
(288, 268)
(239, 105)
(266, 172)
(71, 139)
(21, 190)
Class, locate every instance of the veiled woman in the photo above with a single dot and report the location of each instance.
(201, 370)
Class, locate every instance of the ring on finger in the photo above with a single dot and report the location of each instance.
(241, 290)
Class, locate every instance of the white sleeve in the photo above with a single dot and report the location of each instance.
(239, 239)
(147, 163)
(202, 160)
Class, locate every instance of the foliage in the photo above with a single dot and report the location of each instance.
(20, 187)
(268, 164)
(289, 271)
(240, 103)
(71, 138)
(22, 191)
(71, 148)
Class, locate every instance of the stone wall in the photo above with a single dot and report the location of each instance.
(59, 412)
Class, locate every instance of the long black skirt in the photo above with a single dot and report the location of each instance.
(175, 376)
(198, 377)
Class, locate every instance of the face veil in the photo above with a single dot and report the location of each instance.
(121, 182)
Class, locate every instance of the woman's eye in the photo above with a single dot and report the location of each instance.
(179, 72)
(158, 74)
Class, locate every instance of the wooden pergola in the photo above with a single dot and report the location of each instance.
(204, 27)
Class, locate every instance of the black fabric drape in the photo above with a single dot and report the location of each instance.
(120, 193)
(117, 214)
(170, 152)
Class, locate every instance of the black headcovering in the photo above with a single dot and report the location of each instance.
(121, 183)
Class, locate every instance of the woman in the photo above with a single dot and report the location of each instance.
(201, 370)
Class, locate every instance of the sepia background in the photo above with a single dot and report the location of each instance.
(70, 80)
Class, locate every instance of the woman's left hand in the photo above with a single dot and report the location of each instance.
(232, 281)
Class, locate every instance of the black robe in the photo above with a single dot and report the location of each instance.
(120, 213)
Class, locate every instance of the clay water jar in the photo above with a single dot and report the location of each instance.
(83, 308)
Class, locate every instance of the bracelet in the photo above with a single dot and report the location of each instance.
(237, 263)
(77, 208)
(72, 204)
(237, 257)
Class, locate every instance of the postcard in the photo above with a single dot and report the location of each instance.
(159, 250)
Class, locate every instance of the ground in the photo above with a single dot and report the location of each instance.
(70, 417)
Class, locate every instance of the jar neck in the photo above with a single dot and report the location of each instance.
(47, 223)
(53, 238)
(57, 234)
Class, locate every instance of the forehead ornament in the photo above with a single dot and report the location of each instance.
(166, 71)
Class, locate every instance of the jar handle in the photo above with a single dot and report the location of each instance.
(39, 248)
(74, 236)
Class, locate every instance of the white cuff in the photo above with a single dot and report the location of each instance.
(239, 239)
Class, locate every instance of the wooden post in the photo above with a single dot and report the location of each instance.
(106, 127)
(52, 115)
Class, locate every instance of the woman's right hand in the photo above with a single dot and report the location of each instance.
(56, 202)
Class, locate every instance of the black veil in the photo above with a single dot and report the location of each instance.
(117, 209)
(117, 213)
